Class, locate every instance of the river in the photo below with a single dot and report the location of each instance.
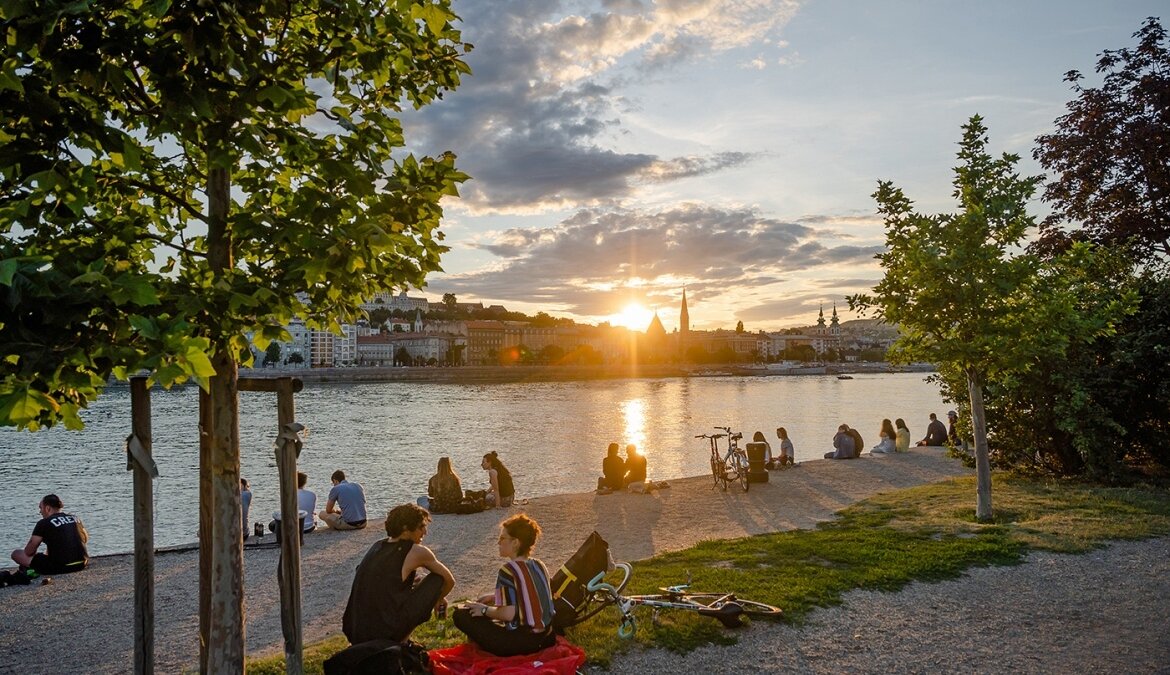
(388, 436)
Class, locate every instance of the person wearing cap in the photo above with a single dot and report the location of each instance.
(64, 538)
(936, 433)
(952, 432)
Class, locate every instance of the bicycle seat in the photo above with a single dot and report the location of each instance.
(728, 614)
(738, 435)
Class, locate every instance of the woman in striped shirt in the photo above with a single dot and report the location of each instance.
(517, 619)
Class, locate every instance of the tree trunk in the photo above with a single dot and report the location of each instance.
(225, 586)
(982, 459)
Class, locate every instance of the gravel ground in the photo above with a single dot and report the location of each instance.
(1102, 612)
(91, 612)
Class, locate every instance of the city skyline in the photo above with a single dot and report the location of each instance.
(623, 150)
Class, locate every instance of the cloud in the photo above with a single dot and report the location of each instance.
(598, 259)
(532, 124)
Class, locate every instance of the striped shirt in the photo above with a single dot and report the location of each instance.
(523, 584)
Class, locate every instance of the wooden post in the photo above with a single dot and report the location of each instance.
(290, 527)
(205, 526)
(143, 526)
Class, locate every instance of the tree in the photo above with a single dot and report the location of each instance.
(739, 327)
(295, 357)
(961, 296)
(1111, 154)
(402, 357)
(177, 173)
(272, 354)
(450, 302)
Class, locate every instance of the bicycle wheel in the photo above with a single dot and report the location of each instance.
(715, 471)
(741, 468)
(750, 607)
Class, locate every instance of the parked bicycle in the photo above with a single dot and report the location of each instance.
(727, 608)
(730, 466)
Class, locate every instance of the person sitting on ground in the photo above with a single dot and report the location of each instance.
(952, 432)
(634, 479)
(936, 433)
(387, 599)
(518, 618)
(345, 509)
(613, 470)
(245, 504)
(444, 490)
(787, 452)
(769, 462)
(306, 504)
(886, 445)
(502, 491)
(64, 537)
(845, 446)
(902, 436)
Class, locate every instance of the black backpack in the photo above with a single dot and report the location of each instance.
(379, 657)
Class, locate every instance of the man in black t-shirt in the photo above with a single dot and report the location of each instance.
(64, 537)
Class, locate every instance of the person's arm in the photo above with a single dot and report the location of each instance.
(494, 478)
(425, 557)
(34, 542)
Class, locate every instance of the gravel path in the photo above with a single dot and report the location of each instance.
(92, 611)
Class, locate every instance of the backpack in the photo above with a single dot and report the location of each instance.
(568, 585)
(379, 657)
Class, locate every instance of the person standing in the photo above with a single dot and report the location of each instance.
(245, 505)
(387, 600)
(936, 433)
(345, 508)
(518, 618)
(901, 436)
(64, 537)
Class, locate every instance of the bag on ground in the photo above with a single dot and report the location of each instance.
(379, 657)
(568, 584)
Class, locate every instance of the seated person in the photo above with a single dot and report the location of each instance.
(613, 470)
(502, 491)
(444, 490)
(387, 600)
(306, 504)
(846, 447)
(245, 504)
(936, 433)
(769, 461)
(787, 451)
(635, 469)
(64, 537)
(345, 509)
(517, 619)
(886, 446)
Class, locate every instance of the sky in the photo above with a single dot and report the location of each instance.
(623, 150)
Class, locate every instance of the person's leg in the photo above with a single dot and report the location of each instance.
(21, 558)
(495, 639)
(334, 521)
(416, 607)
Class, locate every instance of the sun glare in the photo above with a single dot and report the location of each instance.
(633, 316)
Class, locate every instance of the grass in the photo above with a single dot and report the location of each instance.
(926, 533)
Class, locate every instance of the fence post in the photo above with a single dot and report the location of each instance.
(287, 450)
(139, 460)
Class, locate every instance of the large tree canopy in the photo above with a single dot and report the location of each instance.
(1111, 153)
(176, 175)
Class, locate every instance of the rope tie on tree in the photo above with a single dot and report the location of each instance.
(289, 434)
(136, 453)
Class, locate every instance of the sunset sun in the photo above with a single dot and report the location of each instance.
(633, 316)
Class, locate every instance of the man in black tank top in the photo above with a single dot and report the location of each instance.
(64, 538)
(387, 601)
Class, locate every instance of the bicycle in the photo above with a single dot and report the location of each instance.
(727, 608)
(732, 466)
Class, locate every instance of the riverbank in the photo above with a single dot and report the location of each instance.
(92, 611)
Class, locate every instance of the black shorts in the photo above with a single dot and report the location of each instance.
(45, 566)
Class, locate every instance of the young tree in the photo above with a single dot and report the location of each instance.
(180, 175)
(1110, 154)
(962, 294)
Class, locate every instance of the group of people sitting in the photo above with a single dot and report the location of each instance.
(622, 474)
(445, 491)
(894, 437)
(345, 507)
(389, 598)
(787, 454)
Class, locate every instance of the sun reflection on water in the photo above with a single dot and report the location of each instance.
(634, 414)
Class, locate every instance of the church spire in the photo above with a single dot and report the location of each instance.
(684, 318)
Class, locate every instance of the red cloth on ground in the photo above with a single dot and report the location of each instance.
(563, 658)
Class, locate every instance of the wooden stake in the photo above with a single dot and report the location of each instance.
(143, 527)
(290, 527)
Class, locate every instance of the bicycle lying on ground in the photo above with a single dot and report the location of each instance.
(730, 466)
(727, 608)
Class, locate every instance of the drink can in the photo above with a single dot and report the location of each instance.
(441, 612)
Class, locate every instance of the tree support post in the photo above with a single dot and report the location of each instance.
(141, 463)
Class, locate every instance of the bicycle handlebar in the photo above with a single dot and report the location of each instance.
(596, 584)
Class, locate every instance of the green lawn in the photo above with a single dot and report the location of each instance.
(926, 533)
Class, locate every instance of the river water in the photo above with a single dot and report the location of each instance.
(388, 437)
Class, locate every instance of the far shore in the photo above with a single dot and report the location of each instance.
(510, 374)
